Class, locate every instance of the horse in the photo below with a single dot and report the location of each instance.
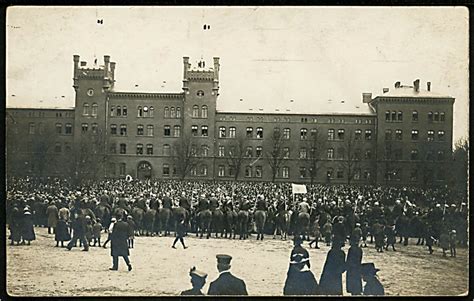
(149, 222)
(119, 212)
(230, 221)
(303, 225)
(217, 221)
(103, 212)
(282, 223)
(164, 216)
(204, 218)
(260, 218)
(137, 214)
(242, 223)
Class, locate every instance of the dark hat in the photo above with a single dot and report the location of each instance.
(196, 273)
(223, 258)
(297, 240)
(368, 269)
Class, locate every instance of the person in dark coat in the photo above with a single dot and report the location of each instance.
(96, 230)
(28, 230)
(131, 231)
(316, 232)
(180, 232)
(335, 265)
(452, 243)
(62, 233)
(391, 238)
(429, 239)
(372, 287)
(365, 232)
(299, 279)
(198, 279)
(119, 244)
(339, 231)
(15, 225)
(300, 250)
(353, 264)
(226, 283)
(78, 226)
(327, 232)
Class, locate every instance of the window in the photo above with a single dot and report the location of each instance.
(140, 129)
(302, 172)
(221, 171)
(442, 117)
(340, 134)
(286, 153)
(340, 174)
(68, 130)
(122, 168)
(124, 111)
(85, 127)
(111, 169)
(177, 131)
(387, 115)
(204, 150)
(303, 153)
(358, 134)
(57, 147)
(413, 175)
(249, 152)
(430, 135)
(67, 147)
(172, 112)
(414, 135)
(414, 154)
(194, 130)
(258, 171)
(367, 174)
(204, 131)
(331, 134)
(248, 171)
(85, 109)
(232, 131)
(441, 135)
(414, 116)
(340, 153)
(221, 151)
(149, 149)
(286, 133)
(193, 171)
(400, 116)
(203, 170)
(222, 132)
(167, 131)
(59, 128)
(166, 150)
(123, 130)
(330, 153)
(119, 111)
(368, 134)
(94, 109)
(123, 148)
(303, 134)
(151, 112)
(368, 154)
(436, 116)
(166, 170)
(112, 111)
(139, 149)
(200, 93)
(330, 173)
(388, 134)
(430, 116)
(394, 116)
(167, 112)
(140, 111)
(178, 112)
(195, 111)
(285, 172)
(146, 111)
(440, 155)
(94, 128)
(40, 128)
(314, 133)
(231, 171)
(258, 151)
(259, 133)
(113, 148)
(398, 134)
(113, 129)
(249, 133)
(150, 130)
(204, 111)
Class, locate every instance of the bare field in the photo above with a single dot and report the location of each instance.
(44, 270)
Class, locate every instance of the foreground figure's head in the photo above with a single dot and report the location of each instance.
(223, 262)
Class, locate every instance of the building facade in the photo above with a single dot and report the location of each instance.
(405, 136)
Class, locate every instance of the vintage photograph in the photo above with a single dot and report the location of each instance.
(249, 151)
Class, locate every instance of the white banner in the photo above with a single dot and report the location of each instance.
(129, 178)
(298, 188)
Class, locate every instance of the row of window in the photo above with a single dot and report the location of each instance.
(88, 110)
(414, 175)
(430, 135)
(150, 130)
(145, 111)
(394, 116)
(33, 129)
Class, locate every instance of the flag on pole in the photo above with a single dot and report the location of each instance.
(298, 188)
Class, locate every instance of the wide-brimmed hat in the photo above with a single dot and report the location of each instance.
(368, 269)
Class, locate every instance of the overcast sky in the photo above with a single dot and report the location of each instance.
(269, 55)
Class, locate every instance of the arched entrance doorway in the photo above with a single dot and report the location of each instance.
(144, 170)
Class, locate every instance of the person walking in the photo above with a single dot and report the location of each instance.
(53, 215)
(119, 244)
(226, 283)
(78, 232)
(180, 232)
(113, 220)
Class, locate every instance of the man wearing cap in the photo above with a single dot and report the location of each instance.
(198, 279)
(226, 283)
(119, 243)
(373, 287)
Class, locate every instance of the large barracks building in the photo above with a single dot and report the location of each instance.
(403, 136)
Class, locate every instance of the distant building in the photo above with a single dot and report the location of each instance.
(403, 136)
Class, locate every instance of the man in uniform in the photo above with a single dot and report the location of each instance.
(184, 202)
(167, 202)
(304, 206)
(226, 283)
(213, 202)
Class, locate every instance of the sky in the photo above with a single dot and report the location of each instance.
(290, 59)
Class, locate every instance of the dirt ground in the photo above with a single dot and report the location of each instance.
(44, 270)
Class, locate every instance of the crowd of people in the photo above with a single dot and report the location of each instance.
(335, 215)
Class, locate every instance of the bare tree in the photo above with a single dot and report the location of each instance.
(276, 156)
(91, 157)
(236, 155)
(351, 156)
(316, 144)
(42, 143)
(459, 166)
(184, 156)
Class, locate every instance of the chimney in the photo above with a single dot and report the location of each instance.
(416, 85)
(428, 86)
(76, 61)
(216, 68)
(397, 85)
(385, 90)
(186, 67)
(112, 70)
(106, 62)
(366, 97)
